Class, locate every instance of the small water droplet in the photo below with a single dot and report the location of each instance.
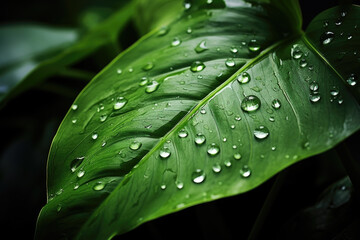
(76, 163)
(135, 145)
(303, 63)
(187, 5)
(99, 186)
(338, 22)
(198, 176)
(273, 148)
(327, 37)
(183, 133)
(296, 53)
(250, 103)
(237, 118)
(237, 156)
(314, 97)
(148, 66)
(334, 91)
(203, 111)
(103, 118)
(254, 46)
(197, 66)
(233, 49)
(94, 136)
(163, 186)
(119, 71)
(271, 119)
(74, 107)
(314, 86)
(179, 184)
(120, 103)
(201, 47)
(244, 78)
(76, 186)
(276, 104)
(74, 121)
(165, 152)
(352, 79)
(216, 168)
(261, 132)
(175, 42)
(227, 163)
(80, 173)
(199, 138)
(213, 149)
(230, 62)
(245, 171)
(152, 87)
(189, 30)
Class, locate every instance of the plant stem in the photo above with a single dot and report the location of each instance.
(266, 208)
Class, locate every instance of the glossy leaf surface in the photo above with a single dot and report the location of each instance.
(185, 117)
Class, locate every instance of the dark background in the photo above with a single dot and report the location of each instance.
(29, 122)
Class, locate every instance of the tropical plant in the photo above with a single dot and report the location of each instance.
(212, 102)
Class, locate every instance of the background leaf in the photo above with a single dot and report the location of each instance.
(118, 129)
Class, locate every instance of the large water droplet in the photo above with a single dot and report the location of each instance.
(99, 186)
(314, 97)
(250, 103)
(230, 62)
(201, 47)
(198, 176)
(327, 37)
(314, 86)
(296, 53)
(245, 171)
(261, 132)
(148, 66)
(76, 163)
(152, 87)
(197, 66)
(213, 149)
(183, 133)
(254, 46)
(135, 145)
(176, 42)
(276, 104)
(165, 152)
(244, 78)
(216, 168)
(120, 103)
(199, 138)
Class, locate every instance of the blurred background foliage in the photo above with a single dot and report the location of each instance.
(29, 120)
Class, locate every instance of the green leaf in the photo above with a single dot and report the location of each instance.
(184, 118)
(33, 53)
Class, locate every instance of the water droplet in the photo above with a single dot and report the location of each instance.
(237, 118)
(120, 103)
(234, 49)
(165, 152)
(131, 70)
(273, 148)
(237, 156)
(245, 171)
(99, 186)
(254, 46)
(216, 168)
(314, 86)
(80, 173)
(163, 31)
(338, 22)
(187, 5)
(296, 53)
(227, 163)
(199, 138)
(261, 132)
(135, 145)
(327, 37)
(183, 133)
(244, 78)
(148, 66)
(189, 30)
(352, 79)
(163, 186)
(250, 103)
(76, 163)
(74, 121)
(203, 111)
(74, 107)
(334, 91)
(276, 104)
(314, 97)
(224, 139)
(198, 176)
(152, 87)
(94, 136)
(76, 186)
(213, 149)
(197, 66)
(179, 184)
(271, 119)
(201, 47)
(303, 63)
(119, 71)
(230, 62)
(175, 42)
